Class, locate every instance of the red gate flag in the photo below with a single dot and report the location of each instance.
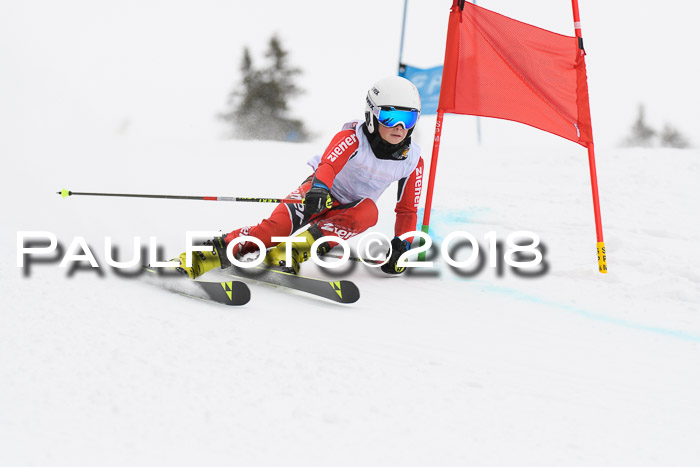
(498, 67)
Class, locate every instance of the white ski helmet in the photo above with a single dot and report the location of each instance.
(392, 101)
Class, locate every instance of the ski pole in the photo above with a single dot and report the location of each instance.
(66, 193)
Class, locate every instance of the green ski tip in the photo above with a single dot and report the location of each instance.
(64, 193)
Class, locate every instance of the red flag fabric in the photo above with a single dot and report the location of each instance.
(498, 67)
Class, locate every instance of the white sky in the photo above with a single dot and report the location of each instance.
(163, 69)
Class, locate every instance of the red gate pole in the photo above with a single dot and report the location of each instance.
(431, 179)
(602, 260)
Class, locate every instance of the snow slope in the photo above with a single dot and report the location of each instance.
(570, 368)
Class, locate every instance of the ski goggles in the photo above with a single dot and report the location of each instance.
(390, 116)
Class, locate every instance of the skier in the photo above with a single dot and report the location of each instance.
(359, 164)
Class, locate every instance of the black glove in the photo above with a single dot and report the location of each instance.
(398, 247)
(317, 200)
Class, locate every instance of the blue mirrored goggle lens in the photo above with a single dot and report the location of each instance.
(392, 117)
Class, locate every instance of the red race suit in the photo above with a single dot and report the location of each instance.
(356, 179)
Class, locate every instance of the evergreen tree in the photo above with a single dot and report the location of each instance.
(672, 138)
(259, 105)
(642, 134)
